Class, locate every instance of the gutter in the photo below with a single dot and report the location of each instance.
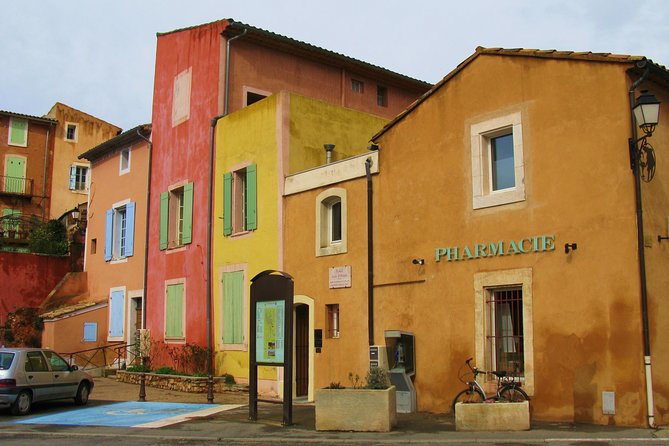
(46, 162)
(212, 137)
(146, 233)
(640, 248)
(370, 252)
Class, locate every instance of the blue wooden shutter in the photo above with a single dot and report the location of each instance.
(73, 177)
(251, 192)
(90, 331)
(188, 214)
(129, 228)
(164, 218)
(227, 203)
(109, 233)
(116, 313)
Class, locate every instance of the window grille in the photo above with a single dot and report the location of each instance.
(504, 331)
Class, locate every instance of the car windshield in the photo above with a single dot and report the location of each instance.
(6, 360)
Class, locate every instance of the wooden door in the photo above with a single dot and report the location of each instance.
(301, 350)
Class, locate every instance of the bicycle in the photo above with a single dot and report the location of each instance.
(508, 390)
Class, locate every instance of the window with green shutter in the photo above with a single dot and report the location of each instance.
(176, 217)
(18, 132)
(240, 201)
(233, 307)
(174, 311)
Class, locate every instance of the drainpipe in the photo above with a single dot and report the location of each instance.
(640, 249)
(46, 162)
(146, 232)
(370, 253)
(212, 137)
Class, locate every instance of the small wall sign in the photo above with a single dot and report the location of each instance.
(340, 277)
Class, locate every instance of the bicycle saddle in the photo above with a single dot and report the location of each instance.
(499, 373)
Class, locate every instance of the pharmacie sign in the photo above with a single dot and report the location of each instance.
(537, 243)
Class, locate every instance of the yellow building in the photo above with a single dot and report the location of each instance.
(504, 229)
(256, 147)
(76, 132)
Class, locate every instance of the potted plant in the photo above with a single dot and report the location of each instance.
(357, 408)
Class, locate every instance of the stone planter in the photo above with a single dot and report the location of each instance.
(191, 384)
(492, 416)
(367, 410)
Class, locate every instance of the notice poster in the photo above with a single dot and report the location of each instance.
(269, 331)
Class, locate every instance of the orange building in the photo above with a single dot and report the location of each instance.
(504, 229)
(107, 305)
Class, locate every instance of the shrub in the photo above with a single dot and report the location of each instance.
(335, 385)
(165, 371)
(49, 238)
(377, 378)
(139, 368)
(229, 380)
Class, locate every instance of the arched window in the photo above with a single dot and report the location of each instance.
(331, 222)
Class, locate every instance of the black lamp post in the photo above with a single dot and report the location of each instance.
(645, 114)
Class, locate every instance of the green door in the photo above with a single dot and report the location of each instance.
(15, 174)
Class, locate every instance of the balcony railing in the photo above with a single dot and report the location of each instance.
(16, 186)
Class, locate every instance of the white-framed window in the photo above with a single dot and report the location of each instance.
(181, 97)
(176, 216)
(18, 132)
(331, 228)
(120, 230)
(124, 161)
(504, 327)
(71, 132)
(175, 310)
(498, 168)
(240, 200)
(332, 311)
(233, 289)
(79, 178)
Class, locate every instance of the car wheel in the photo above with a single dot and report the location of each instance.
(22, 404)
(82, 394)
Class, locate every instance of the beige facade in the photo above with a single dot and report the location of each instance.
(76, 132)
(537, 272)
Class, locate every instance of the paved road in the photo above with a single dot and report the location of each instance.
(233, 427)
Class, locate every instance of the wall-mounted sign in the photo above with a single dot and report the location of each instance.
(269, 331)
(537, 243)
(340, 277)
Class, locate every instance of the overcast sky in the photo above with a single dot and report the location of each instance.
(98, 55)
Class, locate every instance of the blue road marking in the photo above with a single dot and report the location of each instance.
(128, 414)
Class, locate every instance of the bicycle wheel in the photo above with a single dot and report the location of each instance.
(471, 395)
(513, 394)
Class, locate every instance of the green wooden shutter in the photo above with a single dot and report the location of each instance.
(164, 218)
(18, 132)
(227, 204)
(174, 311)
(251, 188)
(233, 307)
(188, 214)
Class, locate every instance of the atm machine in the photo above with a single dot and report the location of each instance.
(398, 357)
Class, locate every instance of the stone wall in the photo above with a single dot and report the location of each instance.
(191, 384)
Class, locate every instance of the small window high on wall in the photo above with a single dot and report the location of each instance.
(240, 201)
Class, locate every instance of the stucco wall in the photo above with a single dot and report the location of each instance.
(66, 335)
(28, 279)
(585, 313)
(91, 131)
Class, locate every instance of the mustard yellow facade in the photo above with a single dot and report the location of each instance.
(451, 239)
(76, 132)
(256, 147)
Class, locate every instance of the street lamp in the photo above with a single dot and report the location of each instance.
(646, 114)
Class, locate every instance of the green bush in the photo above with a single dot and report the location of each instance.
(165, 371)
(229, 380)
(139, 368)
(377, 378)
(49, 238)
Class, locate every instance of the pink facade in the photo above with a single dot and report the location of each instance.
(189, 90)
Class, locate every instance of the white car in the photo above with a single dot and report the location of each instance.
(29, 375)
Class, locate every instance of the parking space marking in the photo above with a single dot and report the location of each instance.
(130, 414)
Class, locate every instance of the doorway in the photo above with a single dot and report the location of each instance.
(301, 351)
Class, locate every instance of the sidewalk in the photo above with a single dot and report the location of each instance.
(419, 428)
